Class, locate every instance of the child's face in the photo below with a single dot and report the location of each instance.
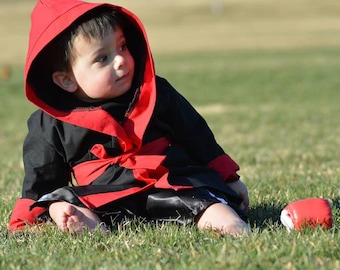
(102, 68)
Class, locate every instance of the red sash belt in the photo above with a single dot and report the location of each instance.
(146, 163)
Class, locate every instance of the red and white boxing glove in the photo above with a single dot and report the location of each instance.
(307, 213)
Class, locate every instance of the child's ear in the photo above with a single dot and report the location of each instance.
(65, 81)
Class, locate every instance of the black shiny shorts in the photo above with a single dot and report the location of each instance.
(183, 206)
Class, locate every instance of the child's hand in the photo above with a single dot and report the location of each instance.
(241, 189)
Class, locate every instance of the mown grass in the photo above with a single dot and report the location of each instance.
(276, 113)
(274, 107)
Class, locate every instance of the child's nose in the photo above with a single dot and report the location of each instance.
(118, 61)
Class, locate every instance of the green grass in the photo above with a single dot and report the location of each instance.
(276, 112)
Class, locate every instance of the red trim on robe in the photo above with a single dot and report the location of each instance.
(226, 167)
(21, 215)
(94, 201)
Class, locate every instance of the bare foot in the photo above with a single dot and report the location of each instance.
(74, 219)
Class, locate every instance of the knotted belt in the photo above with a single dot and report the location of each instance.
(145, 162)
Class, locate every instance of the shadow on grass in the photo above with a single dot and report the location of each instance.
(336, 202)
(265, 216)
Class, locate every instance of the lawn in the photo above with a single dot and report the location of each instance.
(266, 78)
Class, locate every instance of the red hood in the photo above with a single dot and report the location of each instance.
(48, 19)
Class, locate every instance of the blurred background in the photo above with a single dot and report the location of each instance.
(179, 26)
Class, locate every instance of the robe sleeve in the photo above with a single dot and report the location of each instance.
(22, 216)
(45, 171)
(192, 132)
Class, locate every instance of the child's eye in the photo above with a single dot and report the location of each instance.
(102, 58)
(123, 47)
